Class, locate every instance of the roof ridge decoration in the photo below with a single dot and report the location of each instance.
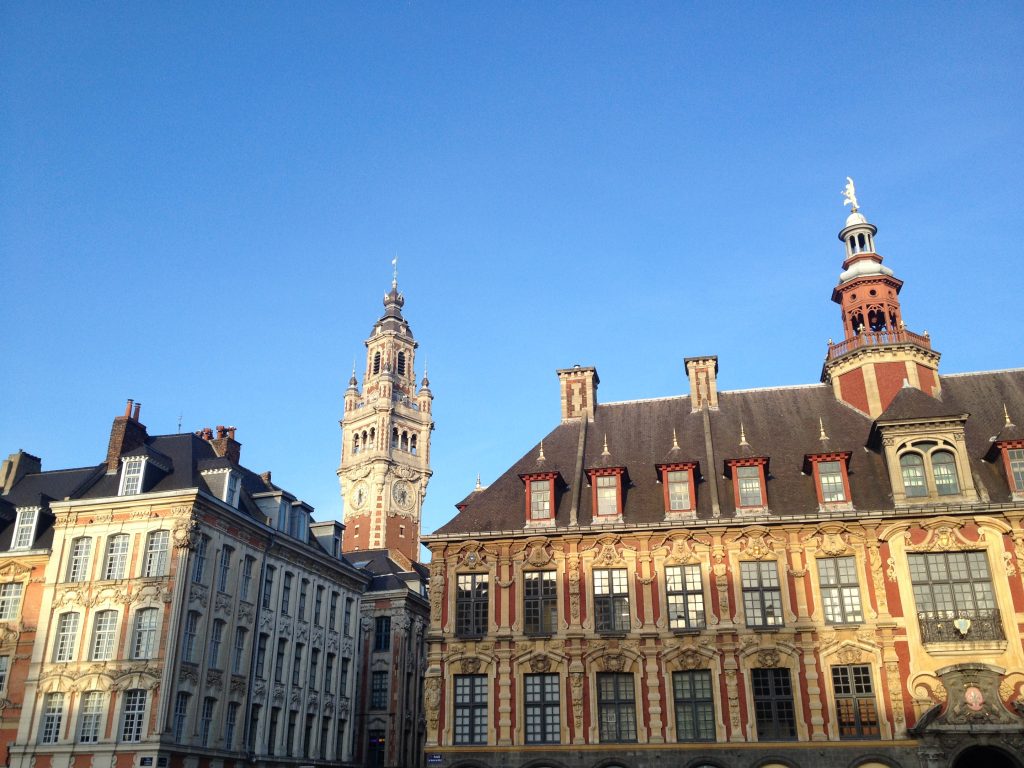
(821, 425)
(540, 456)
(604, 451)
(743, 436)
(1006, 414)
(675, 440)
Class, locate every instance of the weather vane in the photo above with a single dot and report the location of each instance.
(850, 194)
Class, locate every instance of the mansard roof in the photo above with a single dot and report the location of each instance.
(911, 403)
(781, 423)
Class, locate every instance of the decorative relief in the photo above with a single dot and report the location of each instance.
(214, 678)
(237, 685)
(691, 659)
(850, 654)
(259, 688)
(756, 542)
(245, 613)
(734, 699)
(538, 554)
(719, 568)
(576, 684)
(470, 665)
(186, 533)
(944, 537)
(890, 569)
(197, 594)
(285, 628)
(892, 670)
(613, 662)
(540, 663)
(222, 604)
(573, 567)
(474, 555)
(188, 674)
(768, 658)
(432, 700)
(277, 695)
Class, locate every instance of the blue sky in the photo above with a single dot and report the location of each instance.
(199, 204)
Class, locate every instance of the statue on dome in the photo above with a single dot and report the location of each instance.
(850, 194)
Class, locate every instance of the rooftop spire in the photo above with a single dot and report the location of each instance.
(743, 436)
(675, 441)
(604, 451)
(821, 426)
(394, 265)
(1006, 415)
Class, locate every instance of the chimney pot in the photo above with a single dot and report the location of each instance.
(138, 410)
(128, 408)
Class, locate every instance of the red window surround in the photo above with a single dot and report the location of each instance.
(1004, 447)
(691, 468)
(550, 478)
(732, 467)
(812, 466)
(618, 473)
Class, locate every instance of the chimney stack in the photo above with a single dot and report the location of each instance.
(126, 434)
(703, 374)
(579, 392)
(15, 467)
(225, 445)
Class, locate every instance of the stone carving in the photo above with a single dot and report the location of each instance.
(850, 195)
(432, 700)
(538, 555)
(834, 544)
(186, 533)
(197, 594)
(470, 665)
(768, 658)
(850, 655)
(719, 568)
(214, 678)
(614, 662)
(608, 553)
(188, 674)
(237, 685)
(245, 613)
(691, 659)
(757, 543)
(574, 588)
(277, 695)
(892, 670)
(473, 555)
(890, 569)
(222, 604)
(877, 583)
(734, 699)
(576, 685)
(259, 688)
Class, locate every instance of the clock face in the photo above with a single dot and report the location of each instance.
(359, 494)
(401, 492)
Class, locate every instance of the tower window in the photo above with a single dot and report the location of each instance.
(412, 445)
(401, 363)
(376, 362)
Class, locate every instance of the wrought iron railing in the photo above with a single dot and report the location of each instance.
(877, 339)
(960, 626)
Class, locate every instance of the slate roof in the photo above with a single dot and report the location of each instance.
(38, 489)
(780, 423)
(386, 573)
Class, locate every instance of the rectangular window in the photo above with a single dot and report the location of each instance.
(748, 483)
(762, 598)
(180, 715)
(286, 594)
(275, 718)
(379, 690)
(10, 601)
(25, 528)
(64, 642)
(540, 499)
(950, 586)
(382, 633)
(53, 716)
(543, 724)
(103, 630)
(679, 490)
(611, 600)
(290, 745)
(157, 560)
(840, 591)
(773, 704)
(1016, 458)
(261, 656)
(830, 479)
(131, 476)
(78, 562)
(247, 565)
(134, 714)
(329, 673)
(540, 602)
(856, 713)
(616, 706)
(314, 663)
(144, 637)
(471, 605)
(303, 595)
(685, 597)
(343, 685)
(282, 649)
(607, 494)
(199, 558)
(232, 488)
(239, 655)
(695, 706)
(206, 720)
(254, 724)
(117, 557)
(297, 662)
(216, 640)
(188, 636)
(268, 586)
(346, 626)
(90, 717)
(224, 569)
(5, 668)
(318, 605)
(230, 723)
(470, 709)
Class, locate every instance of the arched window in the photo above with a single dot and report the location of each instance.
(405, 441)
(401, 363)
(376, 362)
(103, 635)
(373, 437)
(912, 469)
(355, 443)
(394, 438)
(144, 636)
(412, 445)
(944, 470)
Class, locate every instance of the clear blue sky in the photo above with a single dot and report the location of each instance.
(199, 204)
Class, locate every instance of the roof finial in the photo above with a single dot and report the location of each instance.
(743, 436)
(540, 456)
(850, 193)
(394, 264)
(821, 426)
(675, 442)
(478, 486)
(604, 451)
(1006, 415)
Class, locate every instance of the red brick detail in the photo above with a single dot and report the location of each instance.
(892, 590)
(853, 390)
(1015, 588)
(890, 378)
(927, 378)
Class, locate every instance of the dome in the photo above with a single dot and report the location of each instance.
(855, 217)
(864, 268)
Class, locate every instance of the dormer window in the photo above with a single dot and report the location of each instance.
(679, 481)
(232, 488)
(132, 471)
(831, 480)
(748, 481)
(540, 497)
(606, 484)
(25, 528)
(928, 468)
(1012, 452)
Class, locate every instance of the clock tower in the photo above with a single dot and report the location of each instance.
(385, 447)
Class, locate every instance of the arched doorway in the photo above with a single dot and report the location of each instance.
(989, 757)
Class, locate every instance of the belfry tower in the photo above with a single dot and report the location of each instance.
(385, 452)
(878, 354)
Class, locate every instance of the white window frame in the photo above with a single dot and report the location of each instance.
(224, 568)
(52, 718)
(133, 469)
(133, 715)
(232, 488)
(115, 564)
(10, 600)
(78, 559)
(104, 635)
(5, 668)
(158, 550)
(144, 634)
(65, 637)
(90, 717)
(25, 528)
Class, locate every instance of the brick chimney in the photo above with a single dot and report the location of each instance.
(126, 434)
(579, 392)
(703, 374)
(15, 467)
(225, 444)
